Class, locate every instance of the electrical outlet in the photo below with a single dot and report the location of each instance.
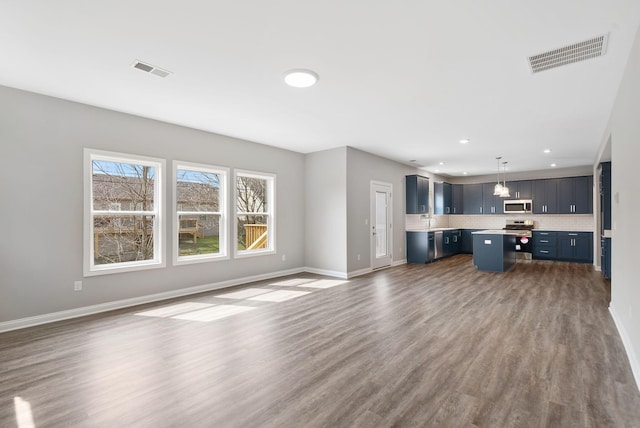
(366, 221)
(77, 285)
(284, 257)
(358, 256)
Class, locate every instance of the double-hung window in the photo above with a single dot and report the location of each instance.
(255, 213)
(123, 212)
(200, 232)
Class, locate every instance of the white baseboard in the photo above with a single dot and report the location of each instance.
(335, 273)
(119, 304)
(359, 272)
(399, 262)
(628, 346)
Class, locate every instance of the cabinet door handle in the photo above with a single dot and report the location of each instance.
(573, 234)
(544, 240)
(480, 210)
(544, 251)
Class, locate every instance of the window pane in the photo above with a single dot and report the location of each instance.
(252, 232)
(118, 186)
(251, 194)
(199, 235)
(122, 238)
(197, 191)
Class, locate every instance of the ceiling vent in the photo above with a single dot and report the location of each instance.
(576, 52)
(150, 69)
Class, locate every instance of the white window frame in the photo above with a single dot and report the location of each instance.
(270, 213)
(158, 261)
(223, 213)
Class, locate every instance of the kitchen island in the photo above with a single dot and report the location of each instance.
(494, 250)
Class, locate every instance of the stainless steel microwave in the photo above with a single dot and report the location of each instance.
(519, 206)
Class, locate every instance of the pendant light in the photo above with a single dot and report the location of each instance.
(505, 190)
(497, 189)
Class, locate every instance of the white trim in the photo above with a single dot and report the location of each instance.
(334, 273)
(375, 186)
(223, 196)
(628, 346)
(119, 304)
(159, 203)
(270, 213)
(359, 272)
(399, 262)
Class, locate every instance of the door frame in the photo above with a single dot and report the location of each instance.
(376, 186)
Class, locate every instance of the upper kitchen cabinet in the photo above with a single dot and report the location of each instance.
(575, 195)
(417, 194)
(605, 194)
(491, 204)
(545, 196)
(472, 198)
(442, 198)
(457, 195)
(521, 189)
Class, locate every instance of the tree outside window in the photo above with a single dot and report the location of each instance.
(254, 217)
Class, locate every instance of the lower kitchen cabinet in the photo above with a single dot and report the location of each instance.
(451, 242)
(565, 246)
(605, 262)
(420, 247)
(575, 246)
(466, 240)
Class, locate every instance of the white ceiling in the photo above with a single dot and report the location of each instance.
(405, 79)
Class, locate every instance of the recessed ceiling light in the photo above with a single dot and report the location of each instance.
(553, 165)
(547, 151)
(437, 170)
(300, 78)
(464, 173)
(441, 163)
(465, 141)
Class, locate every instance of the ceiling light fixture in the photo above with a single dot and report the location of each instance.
(464, 141)
(497, 189)
(546, 151)
(300, 78)
(441, 163)
(464, 173)
(505, 190)
(553, 165)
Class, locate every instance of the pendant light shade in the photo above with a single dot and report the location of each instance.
(497, 189)
(505, 190)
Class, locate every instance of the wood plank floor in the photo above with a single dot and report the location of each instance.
(414, 345)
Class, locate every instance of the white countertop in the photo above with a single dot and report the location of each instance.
(433, 229)
(496, 232)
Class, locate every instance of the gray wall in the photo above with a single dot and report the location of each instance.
(624, 130)
(326, 210)
(41, 188)
(362, 168)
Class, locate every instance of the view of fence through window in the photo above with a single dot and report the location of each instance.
(199, 212)
(124, 214)
(252, 212)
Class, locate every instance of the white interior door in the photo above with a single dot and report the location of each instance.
(381, 221)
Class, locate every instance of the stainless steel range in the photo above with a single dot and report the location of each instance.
(524, 242)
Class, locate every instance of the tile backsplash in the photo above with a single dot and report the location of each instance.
(568, 222)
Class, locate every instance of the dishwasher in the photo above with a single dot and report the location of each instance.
(438, 244)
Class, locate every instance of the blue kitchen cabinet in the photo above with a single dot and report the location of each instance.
(491, 204)
(466, 240)
(457, 199)
(605, 262)
(605, 194)
(494, 252)
(451, 240)
(417, 194)
(545, 245)
(472, 198)
(575, 247)
(442, 198)
(420, 247)
(522, 189)
(575, 195)
(545, 196)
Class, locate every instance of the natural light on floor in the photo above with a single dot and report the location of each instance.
(206, 312)
(24, 417)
